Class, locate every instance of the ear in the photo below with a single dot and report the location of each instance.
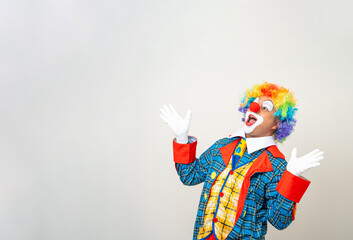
(276, 125)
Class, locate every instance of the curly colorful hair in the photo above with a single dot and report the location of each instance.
(283, 101)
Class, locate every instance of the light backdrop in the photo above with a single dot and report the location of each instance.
(83, 151)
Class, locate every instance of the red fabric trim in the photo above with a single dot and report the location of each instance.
(262, 164)
(294, 211)
(275, 152)
(292, 187)
(211, 237)
(184, 153)
(228, 150)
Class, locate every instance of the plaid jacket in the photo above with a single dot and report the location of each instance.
(269, 192)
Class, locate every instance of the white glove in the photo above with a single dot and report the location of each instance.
(298, 166)
(179, 126)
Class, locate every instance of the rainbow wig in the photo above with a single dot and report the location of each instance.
(284, 102)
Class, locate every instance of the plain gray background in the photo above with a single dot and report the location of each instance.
(83, 151)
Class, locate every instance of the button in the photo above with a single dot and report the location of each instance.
(221, 194)
(215, 220)
(231, 172)
(205, 196)
(213, 175)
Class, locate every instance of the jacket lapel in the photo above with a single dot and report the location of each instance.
(261, 164)
(228, 150)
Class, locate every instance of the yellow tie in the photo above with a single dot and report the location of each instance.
(238, 152)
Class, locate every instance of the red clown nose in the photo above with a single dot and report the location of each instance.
(254, 107)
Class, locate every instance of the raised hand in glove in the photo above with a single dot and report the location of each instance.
(178, 125)
(298, 166)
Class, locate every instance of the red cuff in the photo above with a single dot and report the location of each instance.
(184, 153)
(292, 187)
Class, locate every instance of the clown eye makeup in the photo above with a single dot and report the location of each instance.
(257, 100)
(267, 105)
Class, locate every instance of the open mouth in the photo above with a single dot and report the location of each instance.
(251, 120)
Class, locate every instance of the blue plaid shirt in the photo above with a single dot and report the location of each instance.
(262, 203)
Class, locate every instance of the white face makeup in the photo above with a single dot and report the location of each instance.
(259, 119)
(249, 128)
(268, 105)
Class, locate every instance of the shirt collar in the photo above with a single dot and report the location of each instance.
(254, 144)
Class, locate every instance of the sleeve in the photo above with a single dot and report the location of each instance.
(190, 169)
(283, 193)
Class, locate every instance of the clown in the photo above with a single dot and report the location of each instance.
(247, 181)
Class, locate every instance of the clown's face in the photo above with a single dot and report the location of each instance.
(260, 120)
